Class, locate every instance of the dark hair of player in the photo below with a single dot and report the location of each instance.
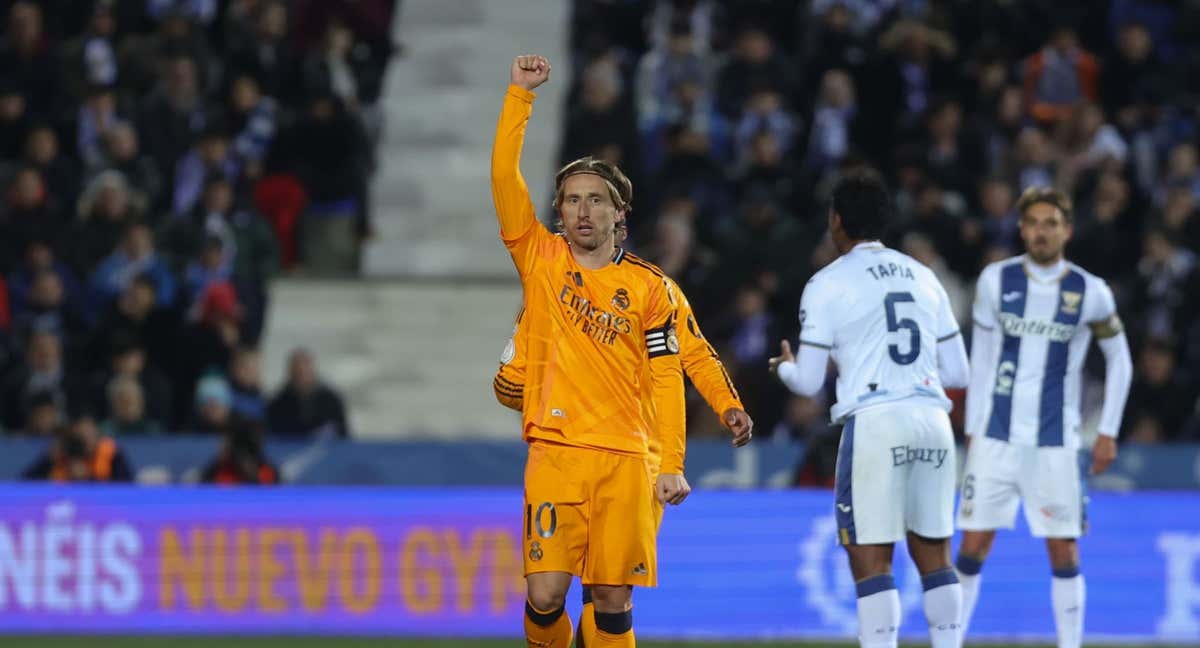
(1048, 195)
(861, 200)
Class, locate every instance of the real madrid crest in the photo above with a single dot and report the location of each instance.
(1070, 301)
(672, 340)
(620, 301)
(535, 551)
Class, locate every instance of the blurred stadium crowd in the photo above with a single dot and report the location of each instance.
(161, 160)
(732, 117)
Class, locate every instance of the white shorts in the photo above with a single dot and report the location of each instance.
(999, 474)
(895, 473)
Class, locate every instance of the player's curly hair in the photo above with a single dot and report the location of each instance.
(1048, 195)
(620, 189)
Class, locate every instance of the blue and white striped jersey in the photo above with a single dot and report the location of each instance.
(1044, 319)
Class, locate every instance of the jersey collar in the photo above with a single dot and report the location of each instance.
(1045, 274)
(868, 245)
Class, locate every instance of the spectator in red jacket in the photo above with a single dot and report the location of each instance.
(1060, 75)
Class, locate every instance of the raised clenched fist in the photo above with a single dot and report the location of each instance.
(530, 71)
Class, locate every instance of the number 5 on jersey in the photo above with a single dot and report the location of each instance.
(894, 325)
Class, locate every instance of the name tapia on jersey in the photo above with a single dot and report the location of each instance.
(1045, 324)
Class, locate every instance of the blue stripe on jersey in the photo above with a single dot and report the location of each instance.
(1014, 288)
(844, 501)
(1067, 311)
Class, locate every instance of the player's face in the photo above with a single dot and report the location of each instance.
(1045, 232)
(588, 213)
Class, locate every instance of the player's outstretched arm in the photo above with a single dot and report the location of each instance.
(804, 374)
(702, 364)
(510, 195)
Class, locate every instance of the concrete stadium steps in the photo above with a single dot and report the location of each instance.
(431, 198)
(412, 359)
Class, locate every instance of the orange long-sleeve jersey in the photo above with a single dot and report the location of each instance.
(699, 360)
(597, 339)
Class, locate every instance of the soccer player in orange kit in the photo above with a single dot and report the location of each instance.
(600, 327)
(700, 363)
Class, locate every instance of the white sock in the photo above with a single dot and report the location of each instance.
(878, 612)
(1068, 595)
(969, 579)
(943, 608)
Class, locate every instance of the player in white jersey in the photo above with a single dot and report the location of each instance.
(888, 325)
(1034, 318)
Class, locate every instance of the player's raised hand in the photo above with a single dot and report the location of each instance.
(530, 71)
(672, 489)
(740, 423)
(785, 355)
(1103, 454)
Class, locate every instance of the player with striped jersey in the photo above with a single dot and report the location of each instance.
(1035, 316)
(887, 324)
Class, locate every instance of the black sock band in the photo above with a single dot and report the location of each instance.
(968, 565)
(544, 620)
(615, 623)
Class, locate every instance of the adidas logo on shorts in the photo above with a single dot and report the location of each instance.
(639, 570)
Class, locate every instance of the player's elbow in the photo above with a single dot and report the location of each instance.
(955, 374)
(1120, 367)
(808, 386)
(955, 380)
(503, 173)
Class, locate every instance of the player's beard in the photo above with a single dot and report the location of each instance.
(1043, 253)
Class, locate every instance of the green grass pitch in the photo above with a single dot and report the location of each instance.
(351, 642)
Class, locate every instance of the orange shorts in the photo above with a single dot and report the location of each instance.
(592, 514)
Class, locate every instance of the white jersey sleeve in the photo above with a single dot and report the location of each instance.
(1100, 307)
(985, 351)
(947, 323)
(1100, 314)
(816, 321)
(806, 374)
(986, 294)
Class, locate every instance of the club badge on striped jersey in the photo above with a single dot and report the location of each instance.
(1070, 301)
(620, 301)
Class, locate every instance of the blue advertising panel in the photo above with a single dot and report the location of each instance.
(386, 561)
(711, 464)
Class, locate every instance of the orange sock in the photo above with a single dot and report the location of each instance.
(613, 630)
(547, 629)
(605, 640)
(587, 626)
